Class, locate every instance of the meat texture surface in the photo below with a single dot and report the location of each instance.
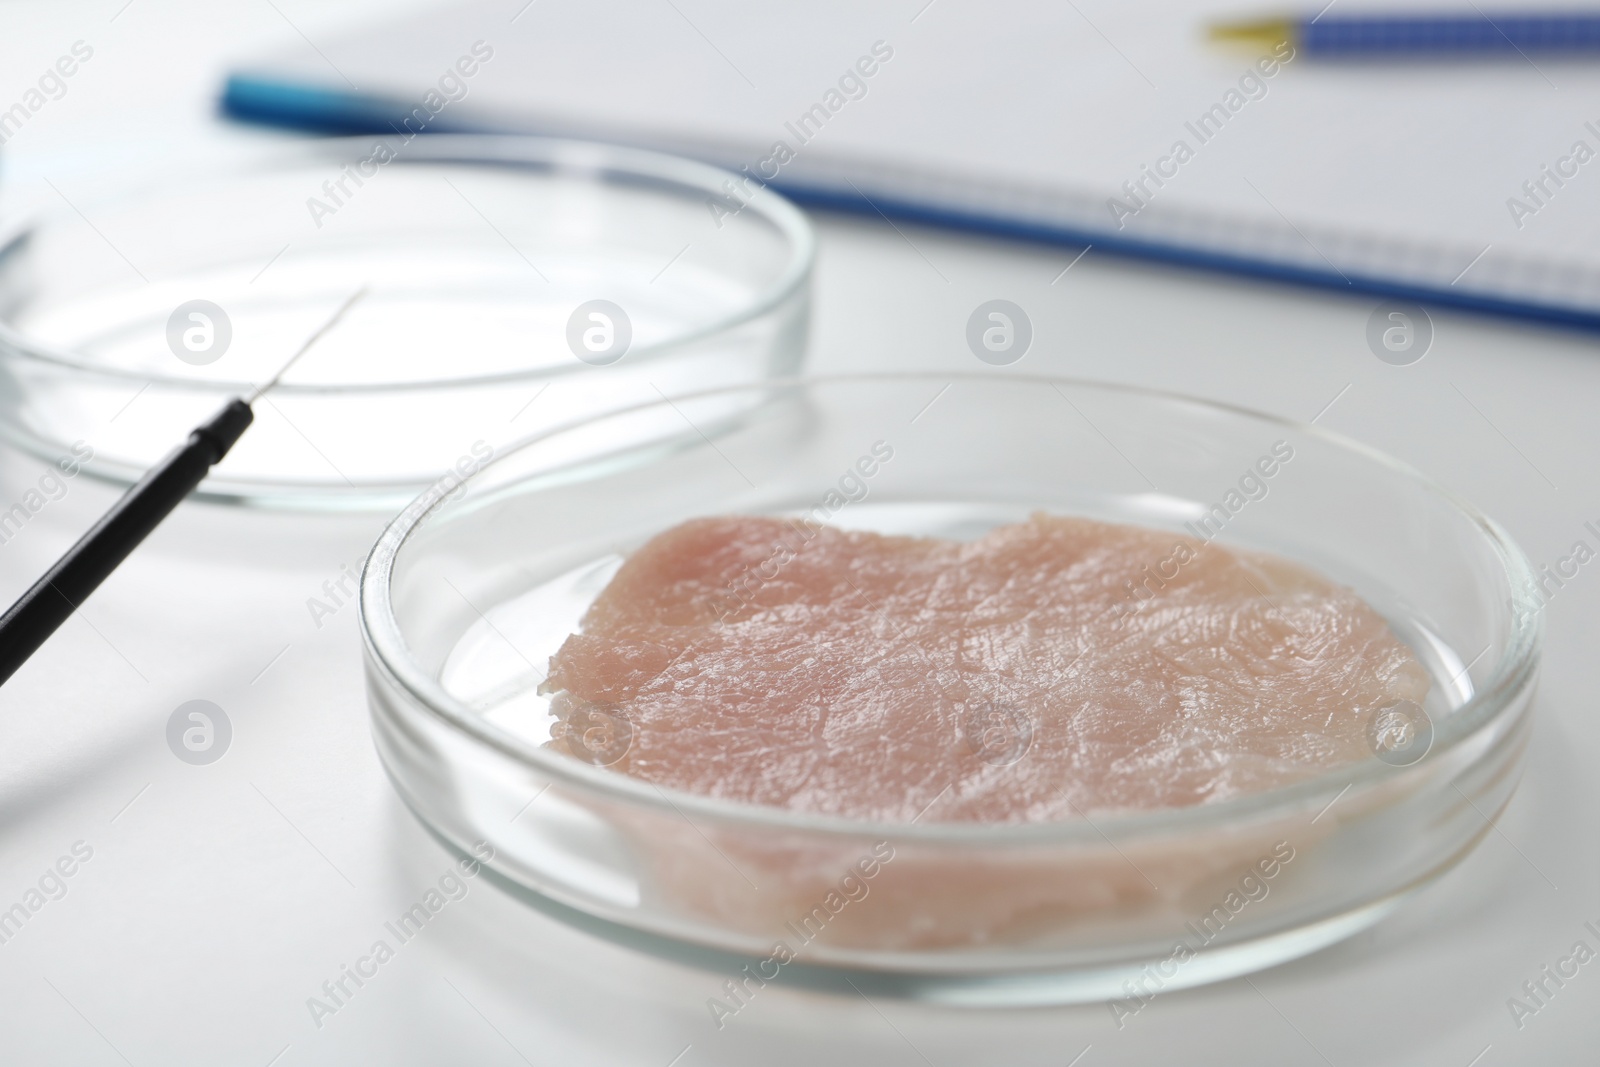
(1051, 669)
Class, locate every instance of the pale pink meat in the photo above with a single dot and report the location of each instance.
(1052, 668)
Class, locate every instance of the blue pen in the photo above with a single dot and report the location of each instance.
(1472, 33)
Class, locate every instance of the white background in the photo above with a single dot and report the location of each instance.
(219, 898)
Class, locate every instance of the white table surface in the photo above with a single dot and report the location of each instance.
(218, 898)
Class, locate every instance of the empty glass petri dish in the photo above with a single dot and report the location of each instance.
(512, 284)
(472, 588)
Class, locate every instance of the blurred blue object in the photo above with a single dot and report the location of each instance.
(1469, 33)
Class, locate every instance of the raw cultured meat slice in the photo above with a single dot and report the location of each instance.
(1050, 669)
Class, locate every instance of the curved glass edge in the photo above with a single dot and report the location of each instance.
(408, 741)
(1037, 987)
(610, 162)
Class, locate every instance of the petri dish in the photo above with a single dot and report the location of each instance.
(512, 284)
(470, 590)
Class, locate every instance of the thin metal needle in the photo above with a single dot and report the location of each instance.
(313, 339)
(55, 597)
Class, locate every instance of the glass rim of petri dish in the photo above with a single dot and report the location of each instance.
(1502, 692)
(602, 162)
(447, 240)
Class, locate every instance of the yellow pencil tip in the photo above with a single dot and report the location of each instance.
(1258, 32)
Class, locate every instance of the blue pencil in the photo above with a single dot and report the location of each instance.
(1472, 33)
